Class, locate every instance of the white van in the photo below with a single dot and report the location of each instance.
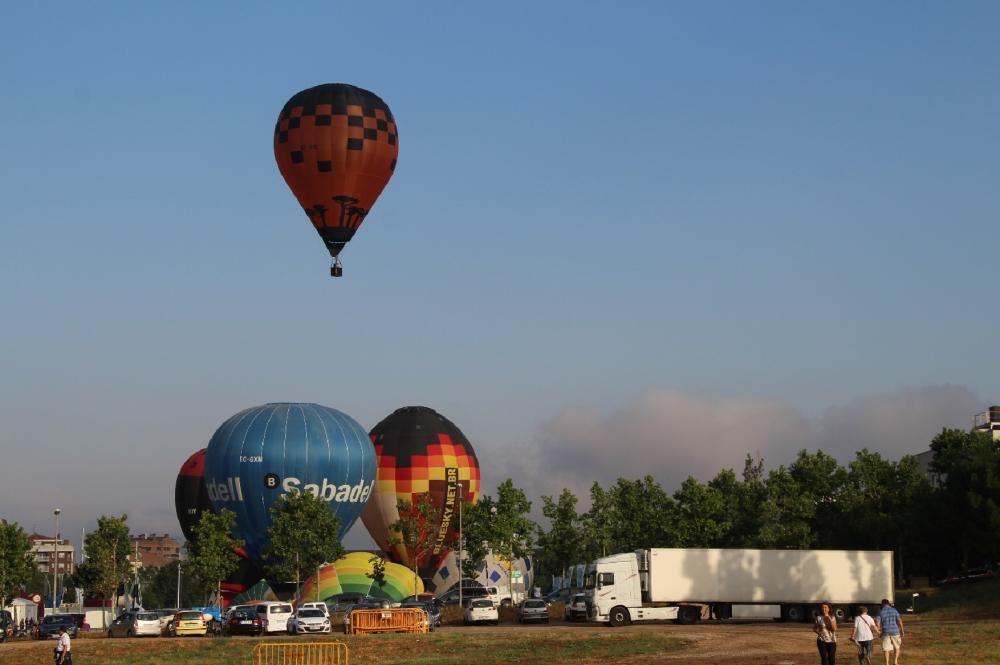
(274, 616)
(316, 606)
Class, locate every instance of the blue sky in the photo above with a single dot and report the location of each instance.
(790, 203)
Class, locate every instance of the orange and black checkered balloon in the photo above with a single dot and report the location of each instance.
(419, 451)
(336, 146)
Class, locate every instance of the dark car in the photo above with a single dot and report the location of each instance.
(450, 597)
(432, 608)
(49, 628)
(243, 622)
(6, 625)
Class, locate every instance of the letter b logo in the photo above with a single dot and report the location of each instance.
(272, 481)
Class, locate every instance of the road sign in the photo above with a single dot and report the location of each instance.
(516, 574)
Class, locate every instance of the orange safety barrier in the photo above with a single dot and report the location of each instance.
(301, 653)
(388, 620)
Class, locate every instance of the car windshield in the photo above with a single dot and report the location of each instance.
(482, 603)
(57, 619)
(191, 616)
(311, 613)
(147, 616)
(534, 603)
(579, 598)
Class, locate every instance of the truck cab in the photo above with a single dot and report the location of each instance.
(613, 582)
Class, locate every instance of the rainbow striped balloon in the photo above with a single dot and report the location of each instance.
(350, 575)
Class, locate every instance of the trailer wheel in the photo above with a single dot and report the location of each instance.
(793, 613)
(619, 616)
(841, 613)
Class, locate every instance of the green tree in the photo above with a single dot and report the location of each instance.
(159, 586)
(211, 555)
(597, 524)
(701, 518)
(476, 534)
(302, 537)
(968, 467)
(417, 531)
(16, 562)
(377, 575)
(511, 531)
(824, 481)
(786, 514)
(642, 515)
(107, 561)
(562, 544)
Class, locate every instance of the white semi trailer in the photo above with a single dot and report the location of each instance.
(687, 585)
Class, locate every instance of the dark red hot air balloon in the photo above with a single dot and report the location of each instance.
(190, 501)
(336, 146)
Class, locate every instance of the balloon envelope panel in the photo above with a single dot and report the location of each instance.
(350, 575)
(420, 452)
(269, 450)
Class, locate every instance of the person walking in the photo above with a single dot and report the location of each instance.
(63, 655)
(826, 635)
(864, 635)
(891, 626)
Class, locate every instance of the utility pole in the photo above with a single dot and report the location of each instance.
(55, 560)
(461, 544)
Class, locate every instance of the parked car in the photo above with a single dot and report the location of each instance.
(533, 609)
(243, 622)
(166, 620)
(343, 602)
(576, 608)
(81, 621)
(274, 615)
(190, 622)
(308, 620)
(6, 625)
(237, 608)
(136, 624)
(367, 604)
(322, 607)
(49, 627)
(450, 597)
(432, 608)
(503, 596)
(481, 610)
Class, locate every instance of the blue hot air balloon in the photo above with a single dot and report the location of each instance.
(266, 451)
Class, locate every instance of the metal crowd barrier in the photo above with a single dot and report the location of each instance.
(301, 653)
(388, 620)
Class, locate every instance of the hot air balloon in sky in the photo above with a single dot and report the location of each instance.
(190, 501)
(420, 452)
(336, 146)
(266, 451)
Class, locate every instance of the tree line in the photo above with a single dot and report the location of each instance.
(936, 523)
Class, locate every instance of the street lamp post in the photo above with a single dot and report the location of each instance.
(55, 560)
(461, 544)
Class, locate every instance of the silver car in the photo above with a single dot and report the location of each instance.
(136, 624)
(308, 620)
(533, 609)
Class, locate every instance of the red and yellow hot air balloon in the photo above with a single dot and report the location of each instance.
(336, 146)
(420, 452)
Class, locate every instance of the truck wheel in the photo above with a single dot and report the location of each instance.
(687, 615)
(619, 616)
